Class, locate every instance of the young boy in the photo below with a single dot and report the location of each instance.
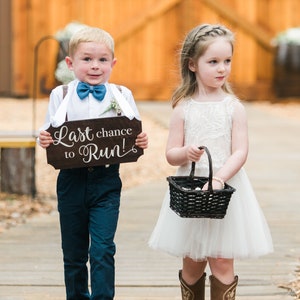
(88, 198)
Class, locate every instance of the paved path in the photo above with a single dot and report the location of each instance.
(30, 256)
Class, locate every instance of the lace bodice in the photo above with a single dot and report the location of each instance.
(209, 124)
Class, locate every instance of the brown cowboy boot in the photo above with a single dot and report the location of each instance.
(221, 291)
(195, 291)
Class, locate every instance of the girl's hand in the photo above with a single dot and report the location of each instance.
(142, 140)
(216, 185)
(45, 139)
(193, 153)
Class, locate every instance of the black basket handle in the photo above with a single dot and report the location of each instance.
(210, 175)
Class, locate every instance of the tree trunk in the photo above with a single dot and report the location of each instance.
(18, 170)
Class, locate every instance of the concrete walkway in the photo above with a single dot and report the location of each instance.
(30, 255)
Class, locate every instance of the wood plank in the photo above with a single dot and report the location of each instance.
(21, 67)
(17, 142)
(260, 35)
(149, 13)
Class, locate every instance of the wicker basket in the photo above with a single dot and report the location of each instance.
(189, 201)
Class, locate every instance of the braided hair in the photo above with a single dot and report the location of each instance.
(195, 45)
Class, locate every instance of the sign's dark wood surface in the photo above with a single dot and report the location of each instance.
(94, 142)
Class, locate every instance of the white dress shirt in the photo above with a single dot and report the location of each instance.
(87, 108)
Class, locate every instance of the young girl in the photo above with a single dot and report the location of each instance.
(206, 113)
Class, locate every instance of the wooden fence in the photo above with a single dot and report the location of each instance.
(148, 34)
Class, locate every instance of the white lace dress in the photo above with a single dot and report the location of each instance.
(243, 232)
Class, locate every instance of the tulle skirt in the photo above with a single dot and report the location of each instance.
(242, 233)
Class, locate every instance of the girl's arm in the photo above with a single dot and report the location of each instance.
(176, 153)
(239, 146)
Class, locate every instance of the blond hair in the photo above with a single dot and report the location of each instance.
(90, 34)
(195, 45)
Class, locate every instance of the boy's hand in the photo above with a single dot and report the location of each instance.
(45, 139)
(142, 140)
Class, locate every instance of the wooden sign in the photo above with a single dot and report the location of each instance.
(94, 142)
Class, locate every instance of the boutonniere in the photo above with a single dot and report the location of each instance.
(113, 106)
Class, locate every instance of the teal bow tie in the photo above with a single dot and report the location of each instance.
(98, 91)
